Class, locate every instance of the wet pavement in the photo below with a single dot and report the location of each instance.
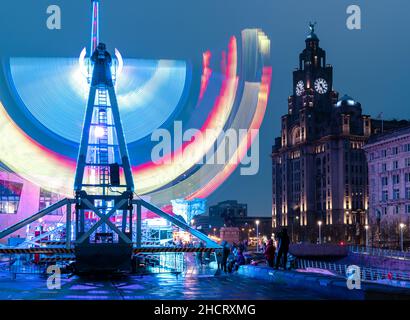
(194, 285)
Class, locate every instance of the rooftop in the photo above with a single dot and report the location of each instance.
(382, 137)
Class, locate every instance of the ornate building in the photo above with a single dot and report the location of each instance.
(319, 166)
(388, 157)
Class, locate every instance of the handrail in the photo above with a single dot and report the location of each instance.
(396, 254)
(367, 274)
(209, 243)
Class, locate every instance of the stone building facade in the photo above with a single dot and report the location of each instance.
(318, 163)
(388, 157)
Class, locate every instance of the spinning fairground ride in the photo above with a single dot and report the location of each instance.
(107, 154)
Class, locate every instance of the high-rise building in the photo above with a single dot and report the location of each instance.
(319, 166)
(388, 157)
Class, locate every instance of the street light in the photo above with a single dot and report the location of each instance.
(214, 232)
(320, 231)
(367, 235)
(402, 226)
(257, 235)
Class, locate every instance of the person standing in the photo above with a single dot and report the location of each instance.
(283, 248)
(245, 245)
(270, 253)
(241, 246)
(218, 255)
(239, 261)
(264, 245)
(225, 253)
(200, 253)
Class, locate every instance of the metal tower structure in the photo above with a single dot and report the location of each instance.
(103, 151)
(102, 144)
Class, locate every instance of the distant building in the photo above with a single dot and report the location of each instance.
(388, 157)
(20, 199)
(233, 214)
(226, 212)
(319, 166)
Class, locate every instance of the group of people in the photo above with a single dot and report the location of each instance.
(202, 258)
(283, 249)
(231, 257)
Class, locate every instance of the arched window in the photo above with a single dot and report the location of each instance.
(296, 137)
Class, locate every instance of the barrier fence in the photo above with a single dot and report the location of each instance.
(60, 250)
(395, 254)
(366, 274)
(164, 262)
(156, 259)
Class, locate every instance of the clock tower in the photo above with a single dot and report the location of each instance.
(319, 170)
(313, 80)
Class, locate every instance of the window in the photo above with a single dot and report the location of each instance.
(408, 193)
(384, 153)
(407, 162)
(385, 195)
(395, 150)
(384, 167)
(407, 177)
(396, 194)
(10, 193)
(385, 181)
(385, 210)
(47, 198)
(408, 208)
(397, 209)
(396, 179)
(395, 165)
(407, 147)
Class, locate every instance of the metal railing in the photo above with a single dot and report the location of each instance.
(162, 262)
(395, 254)
(367, 274)
(21, 264)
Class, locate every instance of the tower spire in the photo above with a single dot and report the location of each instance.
(95, 26)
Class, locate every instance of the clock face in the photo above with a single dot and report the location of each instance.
(300, 88)
(321, 85)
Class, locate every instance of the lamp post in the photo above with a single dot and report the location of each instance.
(402, 226)
(367, 235)
(257, 235)
(214, 232)
(297, 224)
(320, 231)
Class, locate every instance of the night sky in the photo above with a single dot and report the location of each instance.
(371, 64)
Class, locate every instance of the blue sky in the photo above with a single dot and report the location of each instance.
(371, 64)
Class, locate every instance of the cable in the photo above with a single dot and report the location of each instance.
(137, 195)
(110, 188)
